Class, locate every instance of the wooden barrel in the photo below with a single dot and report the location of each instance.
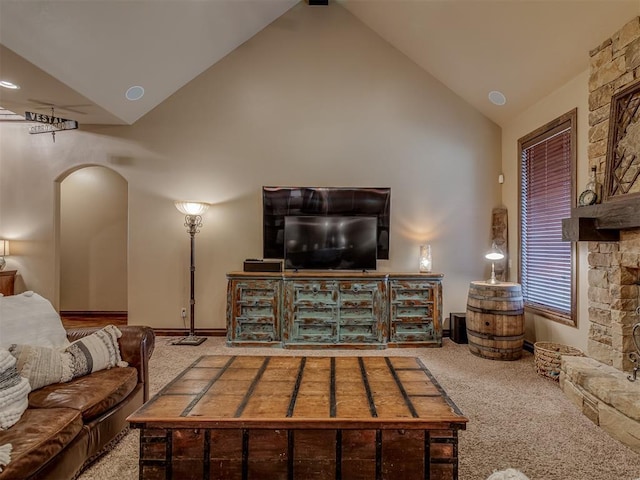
(495, 320)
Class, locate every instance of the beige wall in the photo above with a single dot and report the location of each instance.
(93, 241)
(572, 95)
(314, 99)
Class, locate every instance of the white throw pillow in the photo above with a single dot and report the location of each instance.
(29, 319)
(98, 351)
(42, 366)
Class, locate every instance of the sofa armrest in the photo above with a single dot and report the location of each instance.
(136, 346)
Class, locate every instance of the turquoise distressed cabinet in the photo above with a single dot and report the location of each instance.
(341, 309)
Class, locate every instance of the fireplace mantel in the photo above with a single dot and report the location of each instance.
(602, 222)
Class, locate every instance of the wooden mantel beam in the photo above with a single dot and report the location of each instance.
(602, 222)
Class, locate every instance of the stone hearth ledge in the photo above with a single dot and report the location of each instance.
(605, 395)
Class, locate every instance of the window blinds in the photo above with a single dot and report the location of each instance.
(545, 200)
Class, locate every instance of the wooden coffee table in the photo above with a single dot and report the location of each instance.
(282, 417)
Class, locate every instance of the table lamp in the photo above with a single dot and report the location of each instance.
(494, 254)
(4, 251)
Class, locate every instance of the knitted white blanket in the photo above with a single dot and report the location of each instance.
(508, 474)
(5, 455)
(14, 391)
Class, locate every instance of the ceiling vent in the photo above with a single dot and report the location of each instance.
(318, 2)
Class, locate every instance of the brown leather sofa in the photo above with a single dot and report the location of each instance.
(68, 425)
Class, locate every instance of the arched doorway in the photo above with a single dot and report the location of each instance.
(93, 232)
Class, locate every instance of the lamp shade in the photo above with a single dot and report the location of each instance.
(4, 247)
(192, 208)
(495, 253)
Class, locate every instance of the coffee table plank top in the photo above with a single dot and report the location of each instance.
(302, 392)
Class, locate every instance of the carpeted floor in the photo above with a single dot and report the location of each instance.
(517, 419)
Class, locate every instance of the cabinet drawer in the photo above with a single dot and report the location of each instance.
(257, 290)
(402, 311)
(358, 293)
(358, 329)
(359, 333)
(422, 331)
(255, 310)
(256, 329)
(412, 291)
(425, 294)
(315, 330)
(356, 313)
(315, 293)
(320, 314)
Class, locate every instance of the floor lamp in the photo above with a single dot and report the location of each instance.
(193, 221)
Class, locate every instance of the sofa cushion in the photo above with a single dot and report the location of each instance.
(29, 319)
(92, 394)
(37, 437)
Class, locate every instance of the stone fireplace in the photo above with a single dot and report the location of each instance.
(614, 267)
(614, 271)
(598, 383)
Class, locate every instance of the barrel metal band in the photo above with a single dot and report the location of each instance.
(519, 311)
(501, 298)
(496, 349)
(492, 336)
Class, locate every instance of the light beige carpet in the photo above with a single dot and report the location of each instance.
(517, 419)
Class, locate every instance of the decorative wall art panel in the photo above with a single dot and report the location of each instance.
(623, 152)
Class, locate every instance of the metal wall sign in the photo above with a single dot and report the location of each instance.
(50, 123)
(54, 127)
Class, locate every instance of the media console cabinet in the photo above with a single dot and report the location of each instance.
(334, 309)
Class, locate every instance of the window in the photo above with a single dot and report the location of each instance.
(547, 166)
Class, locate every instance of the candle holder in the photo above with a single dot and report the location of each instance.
(425, 258)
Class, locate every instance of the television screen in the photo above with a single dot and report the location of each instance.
(280, 202)
(334, 243)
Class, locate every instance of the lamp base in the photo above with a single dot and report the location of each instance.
(493, 280)
(190, 340)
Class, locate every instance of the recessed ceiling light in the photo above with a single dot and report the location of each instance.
(12, 86)
(134, 93)
(497, 98)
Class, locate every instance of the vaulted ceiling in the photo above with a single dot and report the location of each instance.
(81, 56)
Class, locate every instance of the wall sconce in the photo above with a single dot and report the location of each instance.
(193, 222)
(425, 258)
(4, 252)
(494, 254)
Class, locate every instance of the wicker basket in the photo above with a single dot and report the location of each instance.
(547, 357)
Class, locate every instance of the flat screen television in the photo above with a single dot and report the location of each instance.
(330, 242)
(280, 202)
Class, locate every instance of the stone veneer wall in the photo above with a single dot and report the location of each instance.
(614, 268)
